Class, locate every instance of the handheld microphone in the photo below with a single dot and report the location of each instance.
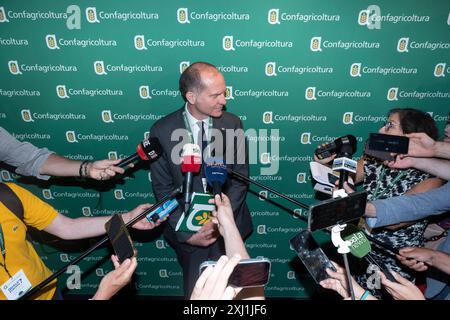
(190, 164)
(343, 162)
(360, 246)
(149, 149)
(216, 174)
(352, 229)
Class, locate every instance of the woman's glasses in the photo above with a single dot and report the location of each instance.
(389, 125)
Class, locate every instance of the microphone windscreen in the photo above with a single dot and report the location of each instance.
(191, 158)
(352, 142)
(191, 163)
(191, 149)
(149, 149)
(346, 145)
(352, 139)
(360, 246)
(215, 171)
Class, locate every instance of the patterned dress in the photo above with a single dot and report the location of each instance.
(382, 182)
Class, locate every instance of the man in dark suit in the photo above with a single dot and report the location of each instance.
(203, 88)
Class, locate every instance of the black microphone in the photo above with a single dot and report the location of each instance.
(328, 149)
(343, 162)
(149, 149)
(216, 174)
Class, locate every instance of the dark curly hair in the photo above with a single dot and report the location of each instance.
(414, 120)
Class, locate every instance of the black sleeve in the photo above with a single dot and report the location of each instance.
(163, 181)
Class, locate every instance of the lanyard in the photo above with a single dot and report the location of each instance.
(2, 243)
(188, 127)
(3, 250)
(377, 195)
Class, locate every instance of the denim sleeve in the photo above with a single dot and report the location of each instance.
(411, 207)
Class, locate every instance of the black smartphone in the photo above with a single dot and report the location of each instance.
(388, 143)
(382, 267)
(311, 255)
(120, 238)
(248, 273)
(337, 211)
(381, 155)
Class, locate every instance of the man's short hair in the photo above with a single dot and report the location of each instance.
(191, 80)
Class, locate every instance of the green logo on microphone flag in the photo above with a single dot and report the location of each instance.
(360, 246)
(200, 213)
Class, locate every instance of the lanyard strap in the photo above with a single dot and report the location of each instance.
(3, 250)
(2, 243)
(377, 195)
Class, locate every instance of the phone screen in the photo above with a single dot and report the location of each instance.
(335, 211)
(248, 273)
(388, 143)
(382, 155)
(119, 238)
(311, 255)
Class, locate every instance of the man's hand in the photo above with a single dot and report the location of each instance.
(403, 290)
(142, 224)
(104, 169)
(204, 237)
(416, 258)
(421, 145)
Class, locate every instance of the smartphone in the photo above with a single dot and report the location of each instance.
(311, 255)
(381, 155)
(388, 143)
(382, 267)
(331, 212)
(120, 238)
(248, 273)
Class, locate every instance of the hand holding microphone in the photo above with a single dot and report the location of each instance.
(340, 151)
(360, 247)
(102, 169)
(223, 216)
(149, 149)
(216, 174)
(343, 162)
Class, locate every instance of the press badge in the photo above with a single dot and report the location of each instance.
(16, 286)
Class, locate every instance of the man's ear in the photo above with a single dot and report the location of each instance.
(191, 97)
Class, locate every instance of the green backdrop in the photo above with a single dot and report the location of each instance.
(87, 79)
